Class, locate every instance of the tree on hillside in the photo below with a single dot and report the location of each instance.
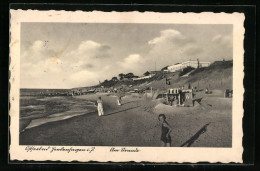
(147, 73)
(129, 75)
(109, 83)
(121, 76)
(114, 79)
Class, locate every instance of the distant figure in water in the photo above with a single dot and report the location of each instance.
(100, 107)
(166, 129)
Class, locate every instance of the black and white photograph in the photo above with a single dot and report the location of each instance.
(112, 84)
(126, 84)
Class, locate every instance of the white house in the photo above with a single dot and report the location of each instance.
(175, 67)
(144, 77)
(181, 66)
(194, 64)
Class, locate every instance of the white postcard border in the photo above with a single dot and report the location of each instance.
(145, 154)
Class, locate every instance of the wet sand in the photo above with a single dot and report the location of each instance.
(205, 125)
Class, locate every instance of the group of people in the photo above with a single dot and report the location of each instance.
(76, 92)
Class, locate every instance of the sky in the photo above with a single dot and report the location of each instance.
(67, 55)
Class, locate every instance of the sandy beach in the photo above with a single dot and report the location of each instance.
(208, 124)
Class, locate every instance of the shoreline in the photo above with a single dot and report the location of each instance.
(28, 123)
(37, 119)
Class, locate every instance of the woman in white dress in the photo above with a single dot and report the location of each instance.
(100, 107)
(119, 100)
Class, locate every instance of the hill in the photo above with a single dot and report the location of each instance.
(217, 76)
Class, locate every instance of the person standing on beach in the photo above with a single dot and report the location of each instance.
(100, 107)
(119, 100)
(166, 129)
(119, 97)
(171, 99)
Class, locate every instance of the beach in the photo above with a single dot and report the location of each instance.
(208, 124)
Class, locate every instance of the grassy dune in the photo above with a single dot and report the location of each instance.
(216, 76)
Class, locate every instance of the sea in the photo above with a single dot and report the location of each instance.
(40, 106)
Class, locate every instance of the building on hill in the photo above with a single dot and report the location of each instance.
(174, 68)
(181, 66)
(195, 64)
(144, 77)
(147, 74)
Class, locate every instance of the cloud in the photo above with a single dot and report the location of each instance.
(36, 52)
(86, 77)
(81, 66)
(38, 58)
(131, 63)
(92, 49)
(172, 46)
(222, 40)
(132, 59)
(105, 48)
(166, 35)
(88, 66)
(87, 54)
(222, 46)
(170, 37)
(37, 45)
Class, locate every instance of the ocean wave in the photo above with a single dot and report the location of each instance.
(52, 109)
